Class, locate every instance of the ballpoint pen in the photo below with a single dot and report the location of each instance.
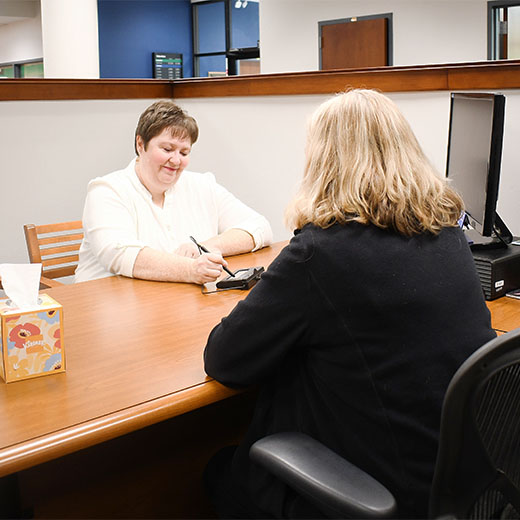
(205, 250)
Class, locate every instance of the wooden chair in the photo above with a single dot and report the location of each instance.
(56, 247)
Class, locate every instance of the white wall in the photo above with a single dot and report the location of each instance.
(425, 31)
(513, 36)
(70, 38)
(254, 145)
(260, 155)
(50, 150)
(20, 41)
(63, 32)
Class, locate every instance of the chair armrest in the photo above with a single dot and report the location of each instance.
(47, 283)
(334, 485)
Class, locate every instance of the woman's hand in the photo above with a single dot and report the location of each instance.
(207, 268)
(152, 264)
(188, 249)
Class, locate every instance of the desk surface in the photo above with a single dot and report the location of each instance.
(505, 314)
(134, 357)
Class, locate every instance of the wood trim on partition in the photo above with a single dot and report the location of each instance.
(479, 77)
(388, 80)
(54, 89)
(489, 75)
(495, 75)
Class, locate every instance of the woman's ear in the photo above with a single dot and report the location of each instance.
(139, 146)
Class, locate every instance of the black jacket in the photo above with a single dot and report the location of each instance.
(353, 334)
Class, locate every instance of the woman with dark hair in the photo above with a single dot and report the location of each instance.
(138, 221)
(356, 328)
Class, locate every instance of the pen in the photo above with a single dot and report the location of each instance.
(202, 248)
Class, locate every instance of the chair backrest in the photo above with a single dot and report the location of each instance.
(477, 474)
(55, 246)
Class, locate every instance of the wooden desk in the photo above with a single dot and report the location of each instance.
(505, 314)
(134, 359)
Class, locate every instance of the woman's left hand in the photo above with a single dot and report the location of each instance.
(188, 249)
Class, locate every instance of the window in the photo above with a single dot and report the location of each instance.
(23, 69)
(31, 70)
(504, 30)
(6, 71)
(225, 36)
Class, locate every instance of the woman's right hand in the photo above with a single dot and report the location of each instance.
(207, 268)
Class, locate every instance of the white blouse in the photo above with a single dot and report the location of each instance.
(119, 219)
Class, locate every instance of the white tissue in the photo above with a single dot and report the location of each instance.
(21, 283)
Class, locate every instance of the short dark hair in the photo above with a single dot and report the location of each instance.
(161, 115)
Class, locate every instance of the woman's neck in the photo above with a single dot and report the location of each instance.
(157, 196)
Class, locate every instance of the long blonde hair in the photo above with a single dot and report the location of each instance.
(364, 164)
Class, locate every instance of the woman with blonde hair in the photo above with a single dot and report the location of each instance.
(357, 327)
(364, 164)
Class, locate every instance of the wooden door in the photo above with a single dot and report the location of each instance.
(354, 44)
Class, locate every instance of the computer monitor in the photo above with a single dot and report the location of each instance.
(473, 163)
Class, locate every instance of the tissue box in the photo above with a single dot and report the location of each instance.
(32, 340)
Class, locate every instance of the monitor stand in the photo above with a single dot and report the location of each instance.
(501, 238)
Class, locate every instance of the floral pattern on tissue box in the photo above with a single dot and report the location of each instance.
(32, 340)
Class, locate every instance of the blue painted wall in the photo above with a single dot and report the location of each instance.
(130, 30)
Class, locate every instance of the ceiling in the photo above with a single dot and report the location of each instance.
(18, 10)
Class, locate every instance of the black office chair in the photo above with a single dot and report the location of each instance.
(477, 474)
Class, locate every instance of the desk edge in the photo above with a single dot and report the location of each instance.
(62, 442)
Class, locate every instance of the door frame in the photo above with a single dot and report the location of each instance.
(352, 19)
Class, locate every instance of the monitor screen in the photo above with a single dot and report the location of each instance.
(167, 65)
(474, 155)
